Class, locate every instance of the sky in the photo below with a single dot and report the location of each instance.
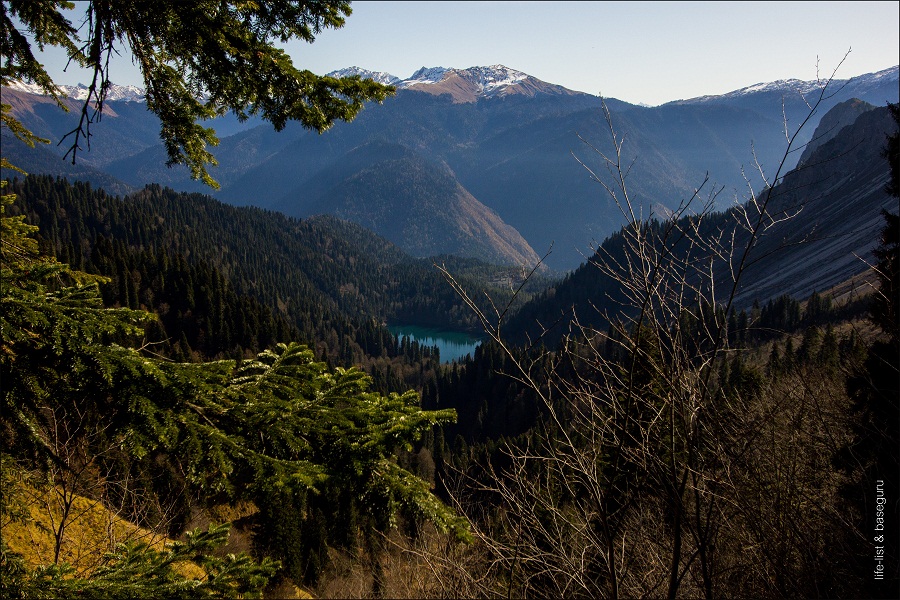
(640, 52)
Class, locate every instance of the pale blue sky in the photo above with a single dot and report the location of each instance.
(649, 52)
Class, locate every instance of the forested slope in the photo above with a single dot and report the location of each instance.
(332, 281)
(91, 415)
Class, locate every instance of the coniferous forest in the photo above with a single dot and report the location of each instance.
(203, 400)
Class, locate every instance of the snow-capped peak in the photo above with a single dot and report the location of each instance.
(783, 85)
(125, 93)
(797, 86)
(487, 79)
(886, 74)
(377, 76)
(794, 85)
(473, 83)
(495, 77)
(115, 93)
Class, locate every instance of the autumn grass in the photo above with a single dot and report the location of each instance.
(92, 530)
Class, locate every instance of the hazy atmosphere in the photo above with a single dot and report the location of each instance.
(640, 52)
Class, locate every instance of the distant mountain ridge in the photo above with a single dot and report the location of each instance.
(464, 85)
(495, 80)
(797, 86)
(507, 138)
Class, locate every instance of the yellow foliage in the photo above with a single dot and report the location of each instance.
(91, 531)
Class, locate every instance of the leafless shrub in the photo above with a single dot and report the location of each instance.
(655, 478)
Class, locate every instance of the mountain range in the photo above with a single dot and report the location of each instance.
(475, 162)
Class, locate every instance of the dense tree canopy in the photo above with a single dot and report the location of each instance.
(76, 388)
(199, 59)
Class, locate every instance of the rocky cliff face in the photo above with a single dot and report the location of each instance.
(836, 198)
(842, 115)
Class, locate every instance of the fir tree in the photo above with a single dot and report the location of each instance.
(279, 421)
(226, 52)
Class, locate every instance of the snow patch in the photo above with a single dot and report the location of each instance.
(29, 88)
(125, 93)
(494, 78)
(888, 74)
(426, 75)
(488, 81)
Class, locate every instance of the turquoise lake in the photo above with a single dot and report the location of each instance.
(453, 345)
